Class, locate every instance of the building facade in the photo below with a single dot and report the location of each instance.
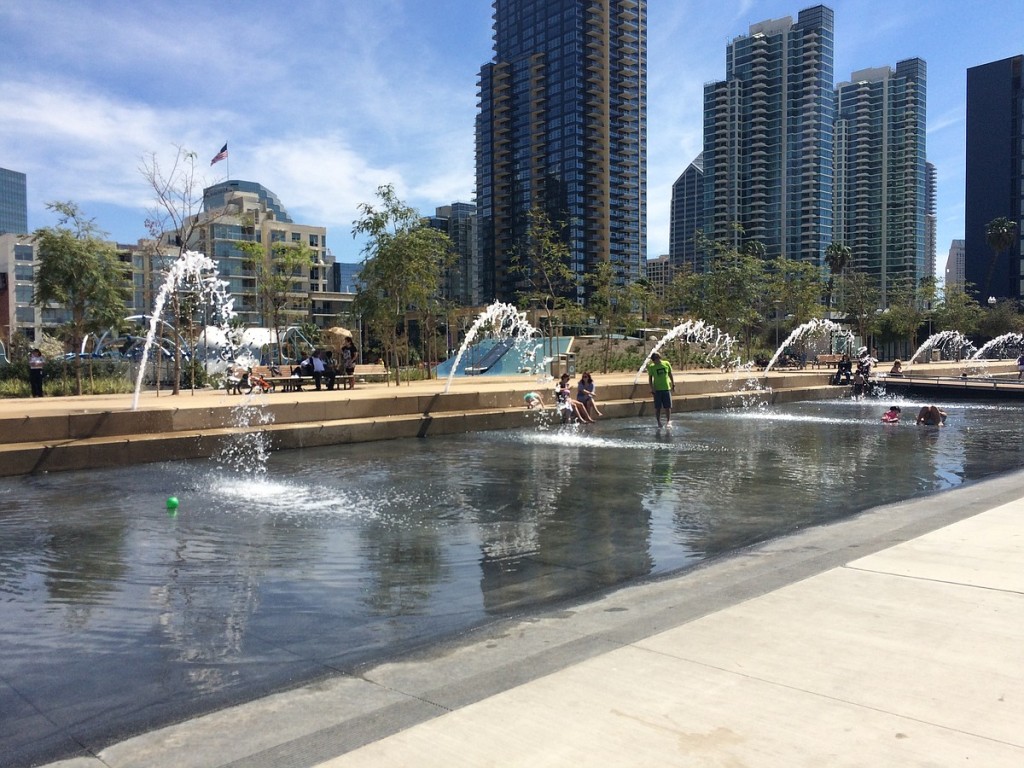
(13, 202)
(768, 138)
(955, 265)
(994, 177)
(881, 180)
(236, 212)
(562, 128)
(461, 281)
(687, 216)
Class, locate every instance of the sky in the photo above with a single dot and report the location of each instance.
(324, 101)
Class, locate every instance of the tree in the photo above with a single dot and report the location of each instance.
(957, 310)
(402, 265)
(1000, 234)
(905, 314)
(81, 273)
(859, 298)
(276, 281)
(837, 256)
(172, 223)
(542, 262)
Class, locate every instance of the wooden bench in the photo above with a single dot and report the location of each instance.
(235, 384)
(364, 372)
(827, 361)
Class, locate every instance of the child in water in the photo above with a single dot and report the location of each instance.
(892, 416)
(533, 400)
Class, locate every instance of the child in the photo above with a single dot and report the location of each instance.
(533, 400)
(892, 416)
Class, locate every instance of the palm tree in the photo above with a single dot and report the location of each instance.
(837, 256)
(1000, 234)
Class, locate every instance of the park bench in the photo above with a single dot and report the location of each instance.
(364, 372)
(287, 383)
(826, 361)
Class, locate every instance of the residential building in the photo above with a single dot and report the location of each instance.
(768, 138)
(461, 282)
(660, 272)
(13, 202)
(931, 222)
(562, 128)
(881, 182)
(955, 262)
(995, 166)
(687, 216)
(236, 212)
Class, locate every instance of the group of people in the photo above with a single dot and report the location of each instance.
(321, 366)
(582, 407)
(929, 415)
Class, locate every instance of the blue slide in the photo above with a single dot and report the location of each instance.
(494, 354)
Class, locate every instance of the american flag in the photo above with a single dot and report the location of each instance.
(222, 155)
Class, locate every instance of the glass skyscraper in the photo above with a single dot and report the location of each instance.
(995, 176)
(881, 190)
(562, 128)
(13, 202)
(768, 138)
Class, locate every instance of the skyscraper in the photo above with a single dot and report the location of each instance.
(768, 138)
(13, 202)
(562, 128)
(687, 216)
(995, 152)
(881, 190)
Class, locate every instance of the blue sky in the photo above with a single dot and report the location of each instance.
(323, 101)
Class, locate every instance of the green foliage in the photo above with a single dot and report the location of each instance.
(80, 272)
(858, 300)
(1000, 234)
(957, 310)
(541, 264)
(401, 271)
(276, 278)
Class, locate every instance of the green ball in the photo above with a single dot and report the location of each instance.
(172, 502)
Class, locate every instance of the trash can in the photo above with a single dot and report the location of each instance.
(564, 363)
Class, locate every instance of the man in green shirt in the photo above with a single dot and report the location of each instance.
(659, 374)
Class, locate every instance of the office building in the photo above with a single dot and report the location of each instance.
(955, 265)
(460, 282)
(660, 272)
(562, 129)
(995, 152)
(13, 202)
(687, 216)
(768, 138)
(881, 189)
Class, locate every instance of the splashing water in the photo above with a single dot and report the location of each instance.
(247, 452)
(1006, 340)
(506, 323)
(952, 343)
(811, 328)
(697, 332)
(198, 273)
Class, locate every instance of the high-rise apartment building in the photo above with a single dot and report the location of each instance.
(562, 128)
(13, 202)
(687, 216)
(768, 138)
(880, 174)
(995, 176)
(931, 220)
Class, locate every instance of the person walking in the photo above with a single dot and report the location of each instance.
(36, 361)
(659, 374)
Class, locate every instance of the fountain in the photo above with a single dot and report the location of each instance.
(953, 343)
(809, 329)
(696, 332)
(1007, 339)
(510, 328)
(198, 273)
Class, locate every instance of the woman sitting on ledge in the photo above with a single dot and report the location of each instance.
(897, 368)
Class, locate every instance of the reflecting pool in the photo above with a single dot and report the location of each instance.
(117, 615)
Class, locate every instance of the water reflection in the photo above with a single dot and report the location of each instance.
(109, 607)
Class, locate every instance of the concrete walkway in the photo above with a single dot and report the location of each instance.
(890, 639)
